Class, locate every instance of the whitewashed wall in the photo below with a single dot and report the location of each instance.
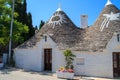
(113, 45)
(57, 55)
(28, 59)
(96, 63)
(33, 58)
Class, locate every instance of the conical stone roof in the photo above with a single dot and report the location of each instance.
(107, 10)
(61, 30)
(66, 35)
(95, 39)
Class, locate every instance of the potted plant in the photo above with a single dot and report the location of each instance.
(67, 71)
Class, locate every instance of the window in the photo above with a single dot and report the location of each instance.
(80, 61)
(118, 37)
(45, 38)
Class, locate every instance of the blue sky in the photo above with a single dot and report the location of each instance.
(44, 9)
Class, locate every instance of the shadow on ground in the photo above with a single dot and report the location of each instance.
(48, 73)
(7, 70)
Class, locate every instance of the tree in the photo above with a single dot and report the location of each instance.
(5, 19)
(69, 57)
(24, 12)
(25, 18)
(18, 9)
(41, 24)
(36, 28)
(31, 28)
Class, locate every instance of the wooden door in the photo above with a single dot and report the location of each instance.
(47, 59)
(116, 64)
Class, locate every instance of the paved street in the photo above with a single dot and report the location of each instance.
(19, 74)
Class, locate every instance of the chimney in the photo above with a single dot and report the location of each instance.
(84, 21)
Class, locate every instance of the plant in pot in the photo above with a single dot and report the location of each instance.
(67, 71)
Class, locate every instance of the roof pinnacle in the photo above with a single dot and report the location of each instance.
(108, 3)
(59, 7)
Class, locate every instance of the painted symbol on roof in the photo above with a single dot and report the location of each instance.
(109, 17)
(57, 19)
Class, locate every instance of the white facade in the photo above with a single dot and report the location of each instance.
(98, 63)
(33, 58)
(93, 63)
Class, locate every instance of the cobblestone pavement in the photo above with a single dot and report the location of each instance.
(19, 74)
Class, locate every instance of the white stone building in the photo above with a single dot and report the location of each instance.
(97, 48)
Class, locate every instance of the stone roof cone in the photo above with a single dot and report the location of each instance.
(66, 35)
(64, 31)
(59, 20)
(100, 33)
(61, 30)
(109, 7)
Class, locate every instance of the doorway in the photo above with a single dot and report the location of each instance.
(48, 59)
(116, 64)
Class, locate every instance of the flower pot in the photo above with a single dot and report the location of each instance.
(66, 75)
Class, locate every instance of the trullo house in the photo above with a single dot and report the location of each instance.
(97, 48)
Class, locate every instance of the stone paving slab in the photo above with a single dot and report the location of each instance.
(19, 74)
